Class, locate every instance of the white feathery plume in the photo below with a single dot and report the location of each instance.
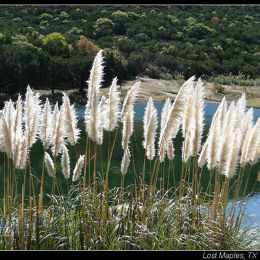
(102, 120)
(129, 100)
(175, 115)
(165, 111)
(220, 122)
(170, 151)
(213, 145)
(49, 165)
(78, 168)
(229, 117)
(253, 141)
(187, 115)
(128, 127)
(113, 103)
(233, 156)
(193, 121)
(103, 106)
(225, 149)
(235, 139)
(188, 127)
(188, 145)
(95, 80)
(65, 162)
(17, 151)
(18, 130)
(198, 115)
(5, 136)
(256, 153)
(54, 117)
(164, 115)
(59, 134)
(46, 124)
(224, 110)
(32, 109)
(125, 161)
(248, 121)
(150, 125)
(70, 120)
(241, 107)
(248, 128)
(11, 118)
(202, 156)
(10, 114)
(93, 124)
(22, 158)
(210, 150)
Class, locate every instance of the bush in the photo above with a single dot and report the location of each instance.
(218, 88)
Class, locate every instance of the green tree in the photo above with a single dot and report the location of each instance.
(115, 66)
(56, 45)
(121, 20)
(21, 65)
(103, 27)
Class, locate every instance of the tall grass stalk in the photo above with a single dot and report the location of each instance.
(158, 212)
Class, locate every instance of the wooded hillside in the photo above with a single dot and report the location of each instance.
(52, 47)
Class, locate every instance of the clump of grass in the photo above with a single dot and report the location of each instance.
(219, 89)
(130, 226)
(151, 213)
(235, 80)
(254, 102)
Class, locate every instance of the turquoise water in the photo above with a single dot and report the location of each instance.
(210, 109)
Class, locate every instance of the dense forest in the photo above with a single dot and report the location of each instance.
(53, 47)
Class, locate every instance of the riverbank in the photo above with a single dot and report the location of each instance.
(159, 90)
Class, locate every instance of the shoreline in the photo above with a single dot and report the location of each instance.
(158, 89)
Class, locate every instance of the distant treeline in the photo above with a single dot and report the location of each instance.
(53, 47)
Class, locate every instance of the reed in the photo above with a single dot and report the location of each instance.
(167, 212)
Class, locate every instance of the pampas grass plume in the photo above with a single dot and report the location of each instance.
(49, 165)
(113, 102)
(59, 134)
(32, 110)
(175, 114)
(70, 120)
(128, 127)
(129, 100)
(78, 168)
(24, 153)
(92, 117)
(164, 115)
(46, 122)
(150, 125)
(125, 161)
(65, 162)
(6, 136)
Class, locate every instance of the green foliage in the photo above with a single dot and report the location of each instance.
(155, 41)
(116, 66)
(218, 88)
(103, 27)
(55, 44)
